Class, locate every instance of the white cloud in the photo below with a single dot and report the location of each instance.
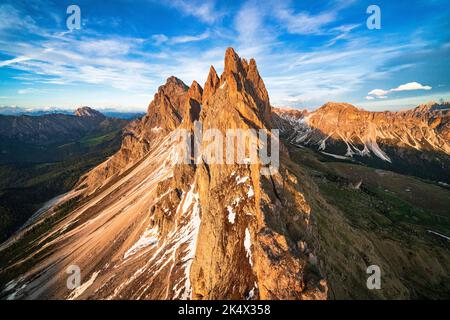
(159, 38)
(411, 86)
(378, 92)
(249, 24)
(15, 60)
(185, 39)
(103, 47)
(163, 39)
(28, 91)
(343, 33)
(11, 18)
(204, 10)
(83, 61)
(303, 22)
(369, 98)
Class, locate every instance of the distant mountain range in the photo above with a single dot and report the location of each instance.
(413, 141)
(55, 127)
(18, 111)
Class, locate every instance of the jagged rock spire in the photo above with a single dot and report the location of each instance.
(243, 77)
(233, 62)
(211, 84)
(167, 108)
(193, 103)
(195, 91)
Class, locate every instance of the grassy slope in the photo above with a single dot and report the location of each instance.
(26, 186)
(384, 222)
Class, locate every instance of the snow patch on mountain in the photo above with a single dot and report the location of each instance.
(248, 246)
(79, 291)
(149, 238)
(231, 215)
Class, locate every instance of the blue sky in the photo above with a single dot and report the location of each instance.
(308, 52)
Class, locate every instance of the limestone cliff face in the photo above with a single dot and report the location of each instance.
(423, 128)
(144, 226)
(164, 115)
(246, 216)
(413, 142)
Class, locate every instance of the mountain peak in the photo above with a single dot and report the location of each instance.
(195, 91)
(167, 107)
(337, 106)
(174, 80)
(88, 112)
(211, 84)
(232, 61)
(192, 109)
(243, 77)
(432, 106)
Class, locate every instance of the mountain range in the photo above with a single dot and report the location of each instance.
(109, 112)
(56, 127)
(412, 142)
(142, 225)
(44, 156)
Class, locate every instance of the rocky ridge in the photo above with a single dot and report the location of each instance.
(404, 138)
(52, 128)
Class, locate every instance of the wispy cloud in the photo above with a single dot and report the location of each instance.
(89, 61)
(185, 39)
(342, 33)
(253, 34)
(204, 10)
(13, 61)
(382, 94)
(163, 39)
(28, 91)
(11, 18)
(303, 22)
(411, 86)
(159, 38)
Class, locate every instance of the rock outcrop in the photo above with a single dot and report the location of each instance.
(88, 112)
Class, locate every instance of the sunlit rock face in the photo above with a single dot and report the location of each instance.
(416, 138)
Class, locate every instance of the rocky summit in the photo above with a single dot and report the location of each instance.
(142, 225)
